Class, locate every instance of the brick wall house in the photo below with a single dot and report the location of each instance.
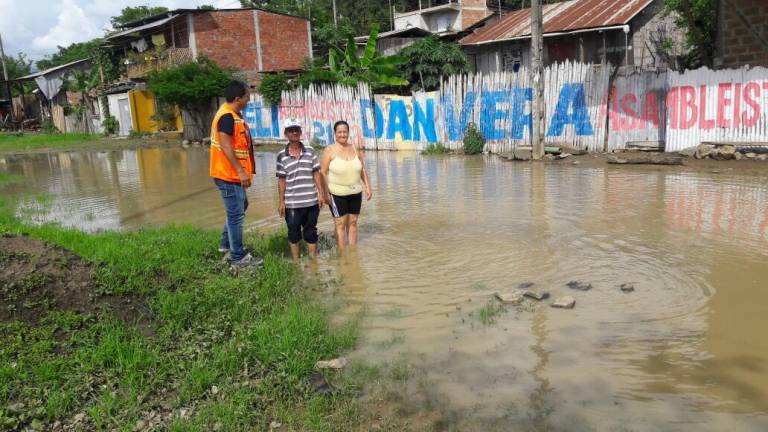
(623, 33)
(250, 41)
(742, 37)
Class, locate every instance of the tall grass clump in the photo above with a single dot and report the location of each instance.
(437, 148)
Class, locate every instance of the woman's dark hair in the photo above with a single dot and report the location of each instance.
(339, 123)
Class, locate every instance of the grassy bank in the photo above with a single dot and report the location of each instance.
(38, 141)
(212, 351)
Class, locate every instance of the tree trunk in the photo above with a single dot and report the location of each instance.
(197, 121)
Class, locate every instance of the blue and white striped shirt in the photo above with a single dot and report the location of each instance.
(300, 190)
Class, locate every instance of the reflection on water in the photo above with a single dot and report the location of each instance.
(686, 351)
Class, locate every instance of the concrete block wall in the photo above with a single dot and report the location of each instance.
(649, 28)
(739, 43)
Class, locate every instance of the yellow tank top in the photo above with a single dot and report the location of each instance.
(344, 175)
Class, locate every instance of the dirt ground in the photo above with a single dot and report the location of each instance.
(37, 277)
(690, 164)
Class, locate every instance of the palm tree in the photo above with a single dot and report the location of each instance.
(348, 68)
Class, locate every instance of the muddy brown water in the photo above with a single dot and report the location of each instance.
(687, 350)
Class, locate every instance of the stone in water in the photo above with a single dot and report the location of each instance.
(514, 297)
(566, 302)
(581, 286)
(537, 295)
(525, 285)
(627, 287)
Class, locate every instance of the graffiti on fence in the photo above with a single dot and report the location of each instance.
(680, 109)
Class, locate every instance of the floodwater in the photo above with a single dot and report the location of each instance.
(686, 351)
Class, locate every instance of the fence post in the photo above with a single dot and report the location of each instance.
(537, 45)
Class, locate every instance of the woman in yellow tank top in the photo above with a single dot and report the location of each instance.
(343, 167)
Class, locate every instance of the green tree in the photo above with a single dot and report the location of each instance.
(699, 19)
(429, 60)
(191, 86)
(272, 87)
(70, 53)
(18, 66)
(133, 13)
(347, 68)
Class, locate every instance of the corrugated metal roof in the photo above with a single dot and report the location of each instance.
(53, 69)
(133, 30)
(560, 18)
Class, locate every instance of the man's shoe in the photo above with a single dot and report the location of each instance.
(248, 261)
(223, 249)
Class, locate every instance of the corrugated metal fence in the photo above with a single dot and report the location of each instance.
(589, 107)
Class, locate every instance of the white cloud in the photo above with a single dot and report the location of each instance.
(38, 27)
(72, 25)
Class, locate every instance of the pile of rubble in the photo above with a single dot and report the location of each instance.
(724, 152)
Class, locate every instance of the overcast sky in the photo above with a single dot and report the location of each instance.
(37, 27)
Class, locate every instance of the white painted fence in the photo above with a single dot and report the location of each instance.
(584, 109)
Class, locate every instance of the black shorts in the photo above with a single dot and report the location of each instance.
(346, 204)
(302, 222)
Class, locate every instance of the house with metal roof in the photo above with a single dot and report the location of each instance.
(620, 32)
(250, 41)
(450, 20)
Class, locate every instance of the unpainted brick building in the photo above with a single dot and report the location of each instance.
(250, 41)
(742, 37)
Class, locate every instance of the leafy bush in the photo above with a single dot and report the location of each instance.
(437, 148)
(48, 127)
(272, 87)
(189, 85)
(473, 140)
(110, 125)
(429, 60)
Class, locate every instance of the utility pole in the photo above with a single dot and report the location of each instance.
(5, 77)
(537, 71)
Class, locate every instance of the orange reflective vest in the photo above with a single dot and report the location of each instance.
(241, 146)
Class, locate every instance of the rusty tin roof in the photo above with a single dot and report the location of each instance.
(560, 18)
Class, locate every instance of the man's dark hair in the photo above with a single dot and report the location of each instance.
(235, 89)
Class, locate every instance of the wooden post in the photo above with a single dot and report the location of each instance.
(537, 69)
(5, 77)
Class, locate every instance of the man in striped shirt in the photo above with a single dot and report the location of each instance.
(300, 187)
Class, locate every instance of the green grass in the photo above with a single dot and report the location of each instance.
(232, 351)
(7, 179)
(437, 148)
(489, 313)
(35, 141)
